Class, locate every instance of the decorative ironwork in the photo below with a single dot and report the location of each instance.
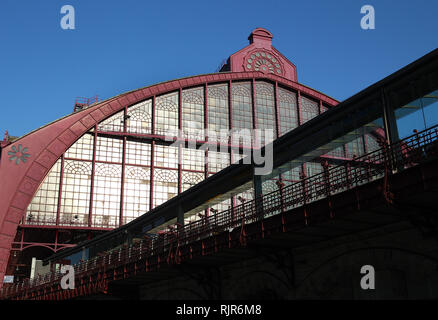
(138, 173)
(77, 167)
(218, 112)
(75, 195)
(166, 175)
(166, 113)
(189, 179)
(108, 170)
(165, 185)
(242, 107)
(405, 154)
(287, 105)
(18, 154)
(309, 109)
(265, 106)
(139, 118)
(193, 113)
(263, 61)
(269, 186)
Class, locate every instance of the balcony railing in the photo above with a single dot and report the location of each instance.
(378, 164)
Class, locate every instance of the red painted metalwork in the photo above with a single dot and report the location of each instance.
(180, 136)
(222, 230)
(151, 191)
(277, 111)
(50, 142)
(93, 172)
(58, 211)
(206, 169)
(255, 140)
(55, 247)
(122, 184)
(261, 55)
(299, 114)
(82, 102)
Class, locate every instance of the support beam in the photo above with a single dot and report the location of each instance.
(389, 120)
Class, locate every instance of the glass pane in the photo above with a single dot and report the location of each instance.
(44, 205)
(193, 113)
(309, 109)
(166, 157)
(242, 105)
(218, 161)
(166, 114)
(75, 199)
(193, 159)
(138, 153)
(417, 115)
(189, 179)
(165, 185)
(287, 104)
(218, 112)
(81, 149)
(109, 149)
(106, 201)
(136, 192)
(113, 123)
(139, 118)
(265, 110)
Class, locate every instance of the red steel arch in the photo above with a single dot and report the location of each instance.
(21, 181)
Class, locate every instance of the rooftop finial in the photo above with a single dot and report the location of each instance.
(260, 35)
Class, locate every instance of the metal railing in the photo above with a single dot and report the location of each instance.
(83, 103)
(35, 220)
(375, 165)
(87, 101)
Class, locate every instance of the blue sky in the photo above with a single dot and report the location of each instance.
(124, 45)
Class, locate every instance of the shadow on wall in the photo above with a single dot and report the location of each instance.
(399, 274)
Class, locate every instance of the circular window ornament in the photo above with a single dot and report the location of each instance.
(264, 62)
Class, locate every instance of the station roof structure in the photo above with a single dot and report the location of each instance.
(26, 161)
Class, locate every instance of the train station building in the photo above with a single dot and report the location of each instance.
(162, 161)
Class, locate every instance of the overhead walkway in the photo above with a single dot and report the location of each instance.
(345, 199)
(349, 195)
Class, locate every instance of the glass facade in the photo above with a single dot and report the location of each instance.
(124, 167)
(417, 115)
(309, 109)
(287, 102)
(166, 113)
(217, 112)
(139, 118)
(265, 111)
(193, 113)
